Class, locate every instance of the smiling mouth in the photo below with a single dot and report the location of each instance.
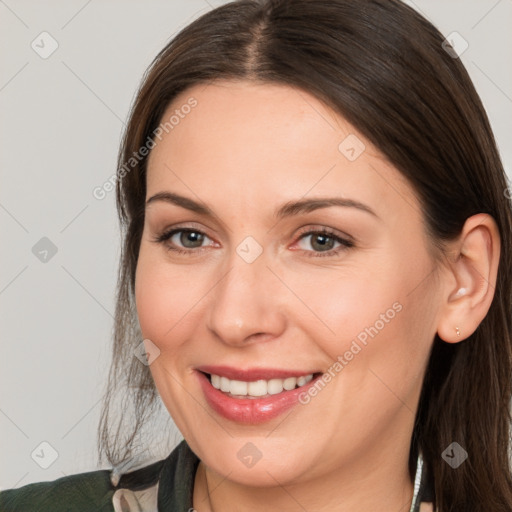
(260, 388)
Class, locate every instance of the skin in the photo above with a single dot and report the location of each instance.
(244, 150)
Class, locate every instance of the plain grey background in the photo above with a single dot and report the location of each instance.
(61, 120)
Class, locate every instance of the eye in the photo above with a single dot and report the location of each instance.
(182, 241)
(323, 242)
(189, 241)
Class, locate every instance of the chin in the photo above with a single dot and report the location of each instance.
(256, 461)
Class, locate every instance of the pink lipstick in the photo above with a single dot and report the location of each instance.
(253, 396)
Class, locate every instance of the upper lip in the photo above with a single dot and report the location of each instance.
(251, 374)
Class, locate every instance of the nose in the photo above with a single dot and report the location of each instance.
(247, 305)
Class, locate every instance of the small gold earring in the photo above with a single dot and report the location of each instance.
(457, 330)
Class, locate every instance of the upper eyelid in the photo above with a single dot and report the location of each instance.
(332, 231)
(303, 232)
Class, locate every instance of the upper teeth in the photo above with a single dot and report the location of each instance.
(258, 387)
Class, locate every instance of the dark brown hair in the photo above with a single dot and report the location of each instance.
(380, 65)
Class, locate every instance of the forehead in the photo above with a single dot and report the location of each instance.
(247, 141)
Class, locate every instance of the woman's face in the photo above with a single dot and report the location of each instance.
(302, 252)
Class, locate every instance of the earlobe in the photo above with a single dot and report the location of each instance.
(474, 270)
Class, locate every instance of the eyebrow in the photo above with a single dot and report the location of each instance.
(288, 209)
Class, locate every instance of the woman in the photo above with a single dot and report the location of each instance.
(317, 249)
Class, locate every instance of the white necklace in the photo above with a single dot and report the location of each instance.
(417, 482)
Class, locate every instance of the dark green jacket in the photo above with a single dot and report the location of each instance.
(165, 486)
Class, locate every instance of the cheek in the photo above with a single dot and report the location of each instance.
(375, 316)
(165, 297)
(348, 303)
(388, 346)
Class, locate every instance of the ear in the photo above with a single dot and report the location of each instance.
(470, 278)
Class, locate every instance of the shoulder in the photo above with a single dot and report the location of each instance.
(82, 492)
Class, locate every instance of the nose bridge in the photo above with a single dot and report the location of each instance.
(246, 301)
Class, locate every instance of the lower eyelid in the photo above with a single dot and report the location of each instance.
(165, 237)
(335, 251)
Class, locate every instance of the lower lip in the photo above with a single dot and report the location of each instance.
(250, 410)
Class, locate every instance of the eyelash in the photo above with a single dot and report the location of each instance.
(345, 244)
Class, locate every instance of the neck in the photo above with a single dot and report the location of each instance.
(363, 487)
